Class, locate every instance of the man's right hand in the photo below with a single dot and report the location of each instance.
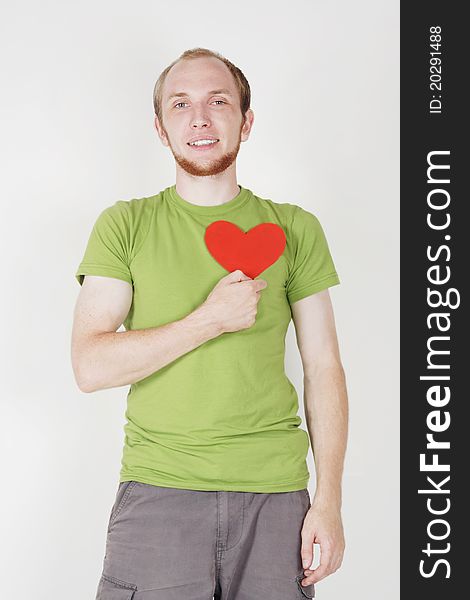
(233, 302)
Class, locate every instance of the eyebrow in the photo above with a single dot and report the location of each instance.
(211, 93)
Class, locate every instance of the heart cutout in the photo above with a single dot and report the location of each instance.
(251, 252)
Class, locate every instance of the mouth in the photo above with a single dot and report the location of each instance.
(203, 143)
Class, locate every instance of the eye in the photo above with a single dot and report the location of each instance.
(179, 103)
(220, 101)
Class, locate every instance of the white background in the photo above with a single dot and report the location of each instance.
(77, 135)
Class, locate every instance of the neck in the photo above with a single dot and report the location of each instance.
(207, 191)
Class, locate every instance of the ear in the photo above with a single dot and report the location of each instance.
(247, 125)
(161, 131)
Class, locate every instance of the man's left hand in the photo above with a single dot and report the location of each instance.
(322, 525)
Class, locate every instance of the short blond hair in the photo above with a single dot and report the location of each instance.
(241, 81)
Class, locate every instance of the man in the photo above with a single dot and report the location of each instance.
(213, 498)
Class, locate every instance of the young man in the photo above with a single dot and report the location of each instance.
(213, 498)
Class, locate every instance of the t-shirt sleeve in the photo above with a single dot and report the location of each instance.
(108, 249)
(312, 268)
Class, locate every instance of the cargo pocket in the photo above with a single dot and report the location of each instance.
(309, 590)
(111, 588)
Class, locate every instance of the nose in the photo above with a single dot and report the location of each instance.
(199, 118)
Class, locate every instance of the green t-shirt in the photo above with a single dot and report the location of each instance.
(224, 415)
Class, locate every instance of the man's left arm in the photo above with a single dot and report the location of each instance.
(326, 412)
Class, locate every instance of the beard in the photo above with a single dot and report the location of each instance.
(208, 167)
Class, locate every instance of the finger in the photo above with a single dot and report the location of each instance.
(324, 568)
(335, 563)
(238, 275)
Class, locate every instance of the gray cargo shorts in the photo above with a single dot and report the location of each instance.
(168, 543)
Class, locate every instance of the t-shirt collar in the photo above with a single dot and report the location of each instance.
(236, 202)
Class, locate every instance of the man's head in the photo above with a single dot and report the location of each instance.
(202, 95)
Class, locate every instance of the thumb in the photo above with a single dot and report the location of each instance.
(263, 283)
(306, 552)
(237, 275)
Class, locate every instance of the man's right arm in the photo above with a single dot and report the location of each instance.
(104, 358)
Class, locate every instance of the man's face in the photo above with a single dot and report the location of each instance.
(201, 101)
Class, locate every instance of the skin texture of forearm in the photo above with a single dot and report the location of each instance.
(114, 359)
(326, 412)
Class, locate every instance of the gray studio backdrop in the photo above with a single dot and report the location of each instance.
(77, 135)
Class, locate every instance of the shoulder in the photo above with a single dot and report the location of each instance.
(292, 215)
(133, 209)
(127, 221)
(131, 216)
(284, 210)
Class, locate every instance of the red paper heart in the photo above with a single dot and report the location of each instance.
(251, 252)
